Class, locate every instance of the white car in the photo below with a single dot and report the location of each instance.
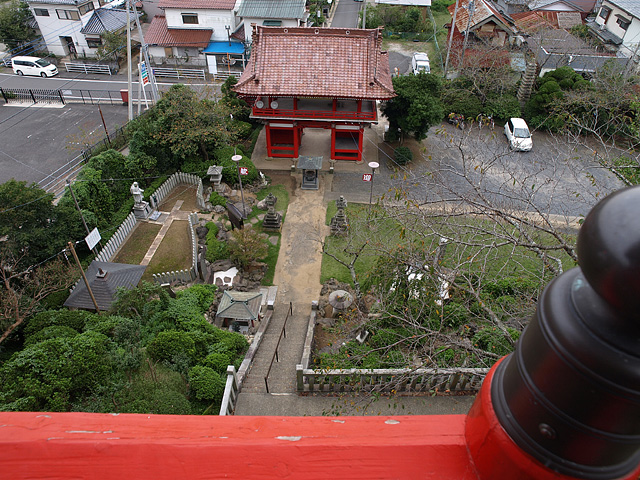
(518, 135)
(33, 66)
(420, 63)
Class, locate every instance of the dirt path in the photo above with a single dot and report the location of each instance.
(298, 270)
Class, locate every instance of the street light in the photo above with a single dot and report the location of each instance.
(373, 166)
(236, 158)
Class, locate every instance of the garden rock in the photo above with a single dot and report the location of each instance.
(219, 209)
(201, 232)
(220, 265)
(262, 205)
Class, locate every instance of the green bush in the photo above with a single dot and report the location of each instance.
(69, 318)
(491, 339)
(217, 199)
(171, 345)
(218, 362)
(402, 155)
(166, 401)
(205, 383)
(54, 331)
(462, 102)
(216, 250)
(503, 107)
(511, 286)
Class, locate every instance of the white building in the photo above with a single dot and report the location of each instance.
(618, 25)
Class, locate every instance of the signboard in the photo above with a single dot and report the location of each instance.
(243, 170)
(93, 238)
(367, 177)
(235, 216)
(144, 73)
(417, 3)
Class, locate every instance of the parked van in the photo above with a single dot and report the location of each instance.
(33, 66)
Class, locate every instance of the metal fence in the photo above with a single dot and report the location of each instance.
(88, 68)
(179, 72)
(32, 96)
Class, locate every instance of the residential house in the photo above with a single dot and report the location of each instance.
(271, 13)
(323, 78)
(618, 26)
(74, 27)
(583, 6)
(195, 32)
(485, 28)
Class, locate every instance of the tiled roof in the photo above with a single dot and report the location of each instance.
(55, 2)
(239, 305)
(106, 20)
(199, 4)
(104, 289)
(533, 21)
(272, 8)
(317, 62)
(158, 34)
(482, 13)
(630, 6)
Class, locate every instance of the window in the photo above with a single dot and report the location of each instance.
(41, 12)
(87, 7)
(604, 13)
(272, 23)
(190, 18)
(623, 22)
(68, 14)
(94, 42)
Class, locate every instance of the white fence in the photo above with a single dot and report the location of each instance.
(118, 238)
(179, 72)
(184, 276)
(231, 391)
(179, 177)
(87, 68)
(402, 380)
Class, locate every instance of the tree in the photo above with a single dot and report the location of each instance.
(113, 46)
(22, 291)
(247, 246)
(416, 106)
(14, 21)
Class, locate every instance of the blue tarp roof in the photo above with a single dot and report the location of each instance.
(224, 47)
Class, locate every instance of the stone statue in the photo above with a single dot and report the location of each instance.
(137, 192)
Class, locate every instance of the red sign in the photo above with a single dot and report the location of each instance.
(367, 177)
(243, 170)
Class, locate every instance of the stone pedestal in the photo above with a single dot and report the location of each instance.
(142, 210)
(272, 219)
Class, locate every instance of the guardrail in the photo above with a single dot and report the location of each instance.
(179, 72)
(283, 332)
(88, 68)
(231, 391)
(33, 96)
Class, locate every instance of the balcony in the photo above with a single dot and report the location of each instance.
(322, 109)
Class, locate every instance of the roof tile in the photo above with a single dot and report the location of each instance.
(196, 4)
(159, 34)
(317, 62)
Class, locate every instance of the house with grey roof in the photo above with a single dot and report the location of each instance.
(271, 13)
(75, 27)
(617, 24)
(239, 310)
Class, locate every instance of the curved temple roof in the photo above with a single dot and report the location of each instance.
(317, 62)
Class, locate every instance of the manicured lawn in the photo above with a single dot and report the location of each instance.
(135, 248)
(186, 193)
(168, 257)
(271, 259)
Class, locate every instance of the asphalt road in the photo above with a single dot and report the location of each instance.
(346, 14)
(554, 177)
(38, 141)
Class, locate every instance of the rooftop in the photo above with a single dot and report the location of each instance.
(199, 4)
(272, 8)
(159, 34)
(483, 13)
(106, 20)
(317, 62)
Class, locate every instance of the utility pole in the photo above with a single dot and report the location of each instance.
(104, 125)
(144, 49)
(129, 80)
(86, 282)
(453, 27)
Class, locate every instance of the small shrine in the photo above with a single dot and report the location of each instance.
(215, 176)
(310, 167)
(239, 310)
(272, 220)
(339, 223)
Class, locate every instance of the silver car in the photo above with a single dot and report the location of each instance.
(518, 135)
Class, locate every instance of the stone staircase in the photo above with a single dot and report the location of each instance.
(528, 79)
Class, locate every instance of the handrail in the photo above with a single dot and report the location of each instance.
(275, 354)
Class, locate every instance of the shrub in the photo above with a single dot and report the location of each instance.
(205, 383)
(216, 250)
(218, 362)
(54, 331)
(217, 199)
(462, 102)
(493, 340)
(402, 155)
(511, 286)
(170, 345)
(503, 107)
(69, 318)
(165, 401)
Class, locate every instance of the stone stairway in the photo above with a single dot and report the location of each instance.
(528, 79)
(282, 377)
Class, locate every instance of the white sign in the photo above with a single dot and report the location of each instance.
(367, 177)
(93, 238)
(418, 3)
(243, 170)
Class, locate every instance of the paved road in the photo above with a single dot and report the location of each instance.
(346, 14)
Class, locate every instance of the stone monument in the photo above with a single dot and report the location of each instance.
(339, 223)
(141, 208)
(272, 219)
(215, 176)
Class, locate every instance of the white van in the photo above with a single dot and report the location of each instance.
(420, 63)
(33, 66)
